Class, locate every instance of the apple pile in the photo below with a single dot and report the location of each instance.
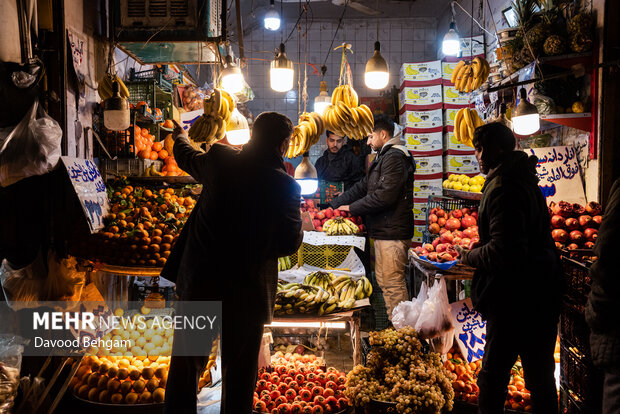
(297, 384)
(319, 217)
(458, 227)
(574, 226)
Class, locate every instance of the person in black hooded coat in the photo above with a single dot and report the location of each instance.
(518, 279)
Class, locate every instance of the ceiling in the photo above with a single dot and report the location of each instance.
(253, 10)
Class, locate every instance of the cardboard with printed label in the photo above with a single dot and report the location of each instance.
(449, 115)
(461, 164)
(451, 144)
(418, 141)
(418, 233)
(472, 46)
(425, 188)
(419, 210)
(420, 73)
(453, 98)
(420, 98)
(447, 68)
(428, 166)
(422, 119)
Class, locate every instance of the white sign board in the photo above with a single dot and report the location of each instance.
(470, 330)
(188, 118)
(90, 189)
(558, 171)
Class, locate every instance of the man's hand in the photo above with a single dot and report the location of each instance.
(344, 208)
(462, 252)
(178, 130)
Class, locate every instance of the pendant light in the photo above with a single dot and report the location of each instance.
(237, 130)
(306, 176)
(451, 45)
(232, 78)
(322, 101)
(377, 74)
(525, 119)
(281, 73)
(116, 111)
(272, 18)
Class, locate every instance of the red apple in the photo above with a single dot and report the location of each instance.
(585, 221)
(571, 224)
(432, 218)
(558, 222)
(320, 228)
(577, 237)
(433, 228)
(559, 235)
(447, 237)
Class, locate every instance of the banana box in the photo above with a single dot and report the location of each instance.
(430, 167)
(420, 73)
(453, 98)
(424, 141)
(447, 68)
(419, 210)
(449, 115)
(472, 46)
(420, 98)
(418, 234)
(422, 119)
(425, 188)
(460, 164)
(451, 144)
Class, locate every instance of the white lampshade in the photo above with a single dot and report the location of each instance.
(377, 74)
(525, 119)
(308, 185)
(281, 73)
(322, 101)
(116, 114)
(451, 45)
(237, 130)
(272, 18)
(232, 78)
(306, 176)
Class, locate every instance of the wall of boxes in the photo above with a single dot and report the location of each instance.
(428, 105)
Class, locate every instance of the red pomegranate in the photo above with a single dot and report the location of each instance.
(441, 221)
(428, 247)
(441, 247)
(456, 214)
(558, 222)
(585, 221)
(588, 245)
(593, 208)
(572, 246)
(466, 211)
(432, 257)
(432, 218)
(577, 237)
(433, 228)
(559, 235)
(562, 208)
(453, 224)
(447, 237)
(578, 209)
(572, 224)
(440, 213)
(468, 221)
(597, 220)
(590, 234)
(435, 243)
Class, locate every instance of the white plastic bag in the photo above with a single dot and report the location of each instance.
(406, 313)
(435, 318)
(11, 350)
(32, 148)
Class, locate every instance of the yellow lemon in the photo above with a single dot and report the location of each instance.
(446, 183)
(457, 186)
(465, 187)
(453, 177)
(464, 179)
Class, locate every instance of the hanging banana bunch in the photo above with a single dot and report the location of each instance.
(345, 117)
(104, 89)
(465, 122)
(211, 126)
(468, 77)
(305, 134)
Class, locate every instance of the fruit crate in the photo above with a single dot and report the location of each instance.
(574, 330)
(164, 77)
(323, 256)
(447, 204)
(581, 379)
(578, 281)
(148, 91)
(125, 167)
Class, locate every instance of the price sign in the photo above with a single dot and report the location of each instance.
(470, 330)
(559, 174)
(90, 189)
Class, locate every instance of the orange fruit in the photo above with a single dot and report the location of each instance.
(168, 123)
(158, 112)
(145, 132)
(157, 146)
(520, 385)
(153, 155)
(169, 160)
(151, 138)
(145, 154)
(163, 154)
(141, 103)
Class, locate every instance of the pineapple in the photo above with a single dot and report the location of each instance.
(524, 9)
(581, 42)
(554, 45)
(580, 31)
(537, 34)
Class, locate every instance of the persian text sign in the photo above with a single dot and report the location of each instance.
(558, 171)
(90, 189)
(470, 330)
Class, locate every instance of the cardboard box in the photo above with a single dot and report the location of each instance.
(420, 98)
(422, 119)
(460, 164)
(451, 144)
(449, 115)
(428, 166)
(453, 98)
(425, 188)
(446, 72)
(422, 141)
(472, 46)
(418, 234)
(420, 73)
(419, 211)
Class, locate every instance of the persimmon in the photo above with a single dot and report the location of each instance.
(153, 155)
(168, 124)
(163, 154)
(145, 132)
(157, 146)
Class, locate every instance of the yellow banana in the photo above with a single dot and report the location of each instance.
(476, 65)
(457, 123)
(469, 121)
(456, 71)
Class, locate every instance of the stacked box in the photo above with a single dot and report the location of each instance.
(420, 98)
(425, 119)
(424, 142)
(420, 73)
(461, 164)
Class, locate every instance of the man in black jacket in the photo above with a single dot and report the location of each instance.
(246, 217)
(517, 277)
(602, 309)
(385, 197)
(339, 163)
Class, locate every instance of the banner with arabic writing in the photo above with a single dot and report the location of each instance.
(469, 330)
(559, 173)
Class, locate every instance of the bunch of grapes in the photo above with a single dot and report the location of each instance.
(399, 372)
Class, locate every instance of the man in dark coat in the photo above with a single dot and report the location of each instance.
(339, 162)
(246, 217)
(602, 309)
(385, 197)
(517, 277)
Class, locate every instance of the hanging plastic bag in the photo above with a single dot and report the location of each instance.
(11, 350)
(32, 148)
(435, 318)
(406, 313)
(50, 279)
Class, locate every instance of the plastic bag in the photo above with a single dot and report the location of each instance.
(435, 318)
(32, 148)
(192, 97)
(11, 350)
(407, 313)
(42, 280)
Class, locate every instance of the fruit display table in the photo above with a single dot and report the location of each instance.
(352, 316)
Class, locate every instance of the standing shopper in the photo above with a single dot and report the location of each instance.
(517, 274)
(339, 162)
(385, 197)
(246, 217)
(602, 309)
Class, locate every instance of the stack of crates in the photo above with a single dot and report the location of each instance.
(581, 382)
